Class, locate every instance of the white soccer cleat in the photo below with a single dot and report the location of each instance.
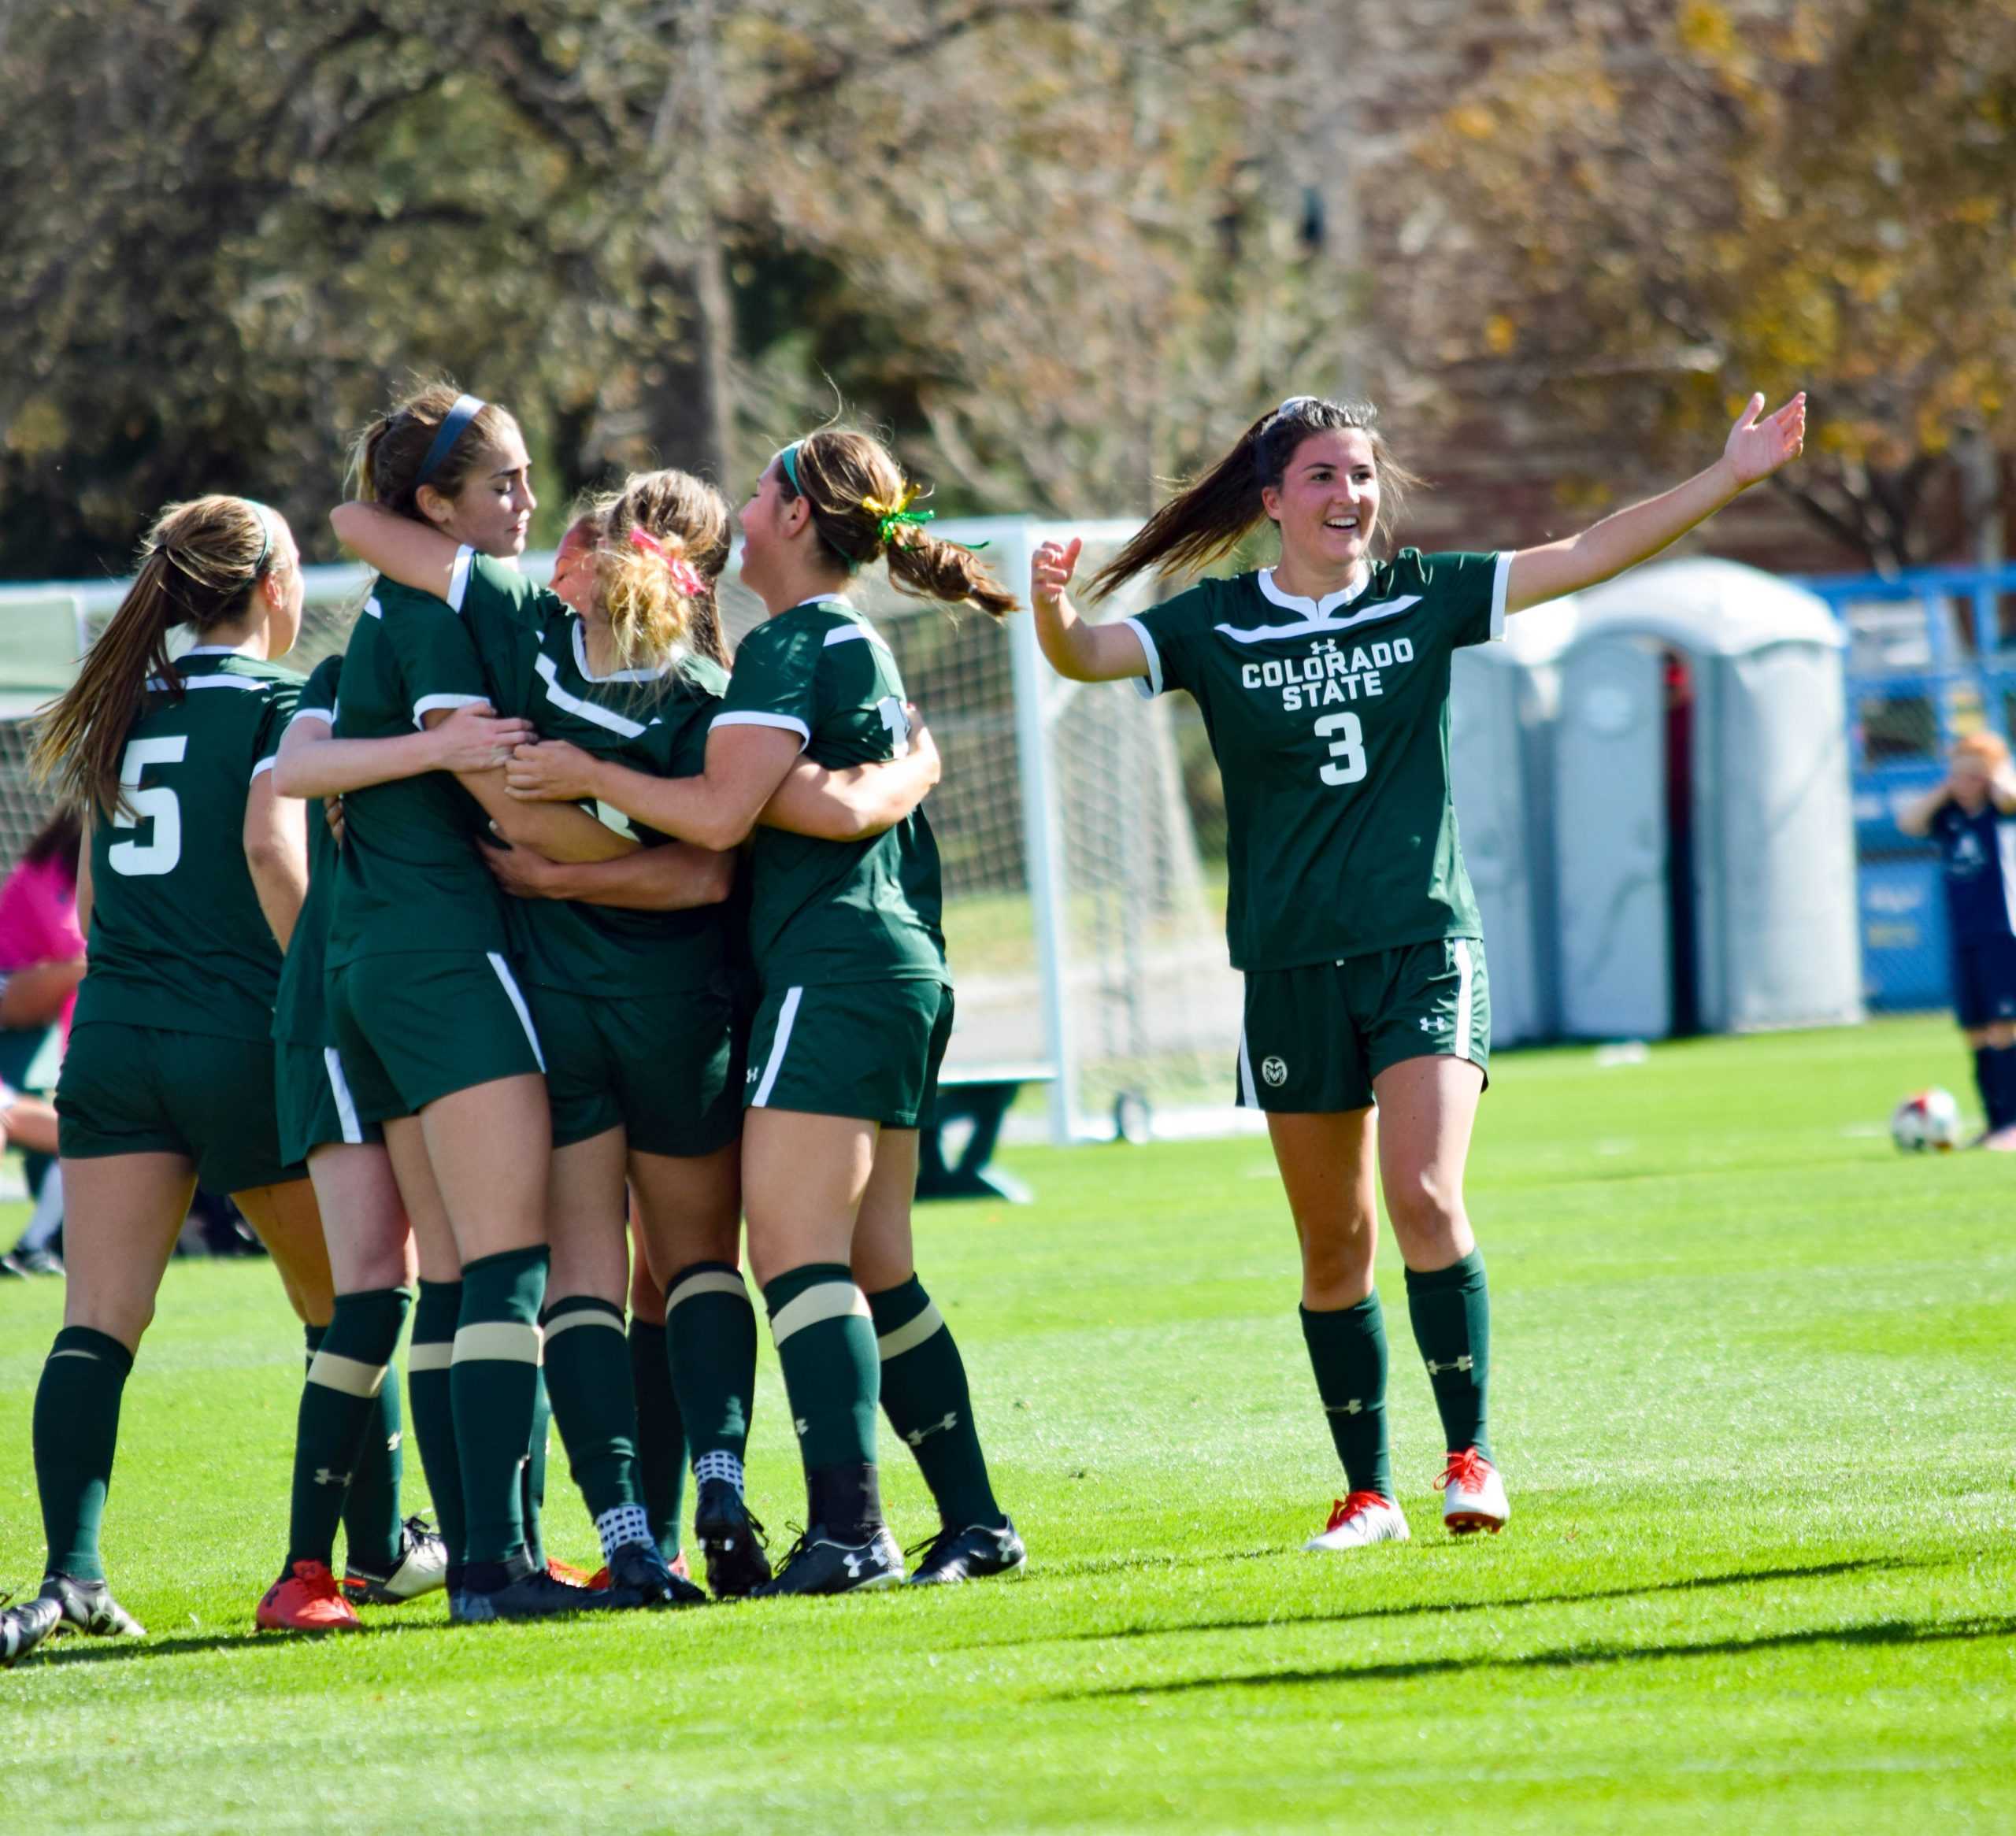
(1363, 1517)
(1473, 1495)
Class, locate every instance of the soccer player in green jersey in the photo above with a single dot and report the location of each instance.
(631, 982)
(192, 867)
(856, 1008)
(1324, 683)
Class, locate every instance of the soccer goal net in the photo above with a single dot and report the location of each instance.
(1084, 922)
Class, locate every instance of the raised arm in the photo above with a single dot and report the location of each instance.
(2002, 788)
(412, 553)
(716, 808)
(313, 763)
(276, 853)
(1076, 650)
(858, 801)
(1755, 449)
(675, 876)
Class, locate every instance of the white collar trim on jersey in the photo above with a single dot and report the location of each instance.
(587, 674)
(249, 648)
(1315, 608)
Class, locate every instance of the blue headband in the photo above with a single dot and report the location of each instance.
(788, 458)
(466, 408)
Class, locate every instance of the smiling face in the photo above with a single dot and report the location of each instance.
(492, 509)
(769, 520)
(1327, 503)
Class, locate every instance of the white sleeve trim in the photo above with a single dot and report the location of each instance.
(1500, 579)
(264, 765)
(1149, 687)
(324, 714)
(458, 577)
(427, 704)
(788, 723)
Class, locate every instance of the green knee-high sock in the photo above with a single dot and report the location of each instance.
(826, 1340)
(1347, 1351)
(660, 1434)
(493, 1381)
(711, 1339)
(373, 1526)
(1451, 1310)
(532, 1476)
(925, 1396)
(349, 1361)
(77, 1430)
(429, 1358)
(588, 1375)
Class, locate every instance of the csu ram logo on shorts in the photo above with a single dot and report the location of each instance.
(1275, 1070)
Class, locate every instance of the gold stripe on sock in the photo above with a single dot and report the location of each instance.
(709, 1281)
(575, 1316)
(352, 1376)
(430, 1354)
(504, 1341)
(829, 1300)
(911, 1332)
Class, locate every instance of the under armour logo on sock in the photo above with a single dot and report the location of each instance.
(1353, 1407)
(324, 1477)
(1465, 1363)
(801, 1424)
(916, 1436)
(392, 1443)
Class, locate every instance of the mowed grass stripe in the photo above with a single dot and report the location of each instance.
(1753, 1390)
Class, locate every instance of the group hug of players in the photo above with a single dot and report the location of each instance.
(461, 1031)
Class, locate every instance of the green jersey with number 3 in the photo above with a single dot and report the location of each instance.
(534, 654)
(178, 940)
(830, 912)
(1330, 722)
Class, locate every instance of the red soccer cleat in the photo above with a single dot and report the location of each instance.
(305, 1599)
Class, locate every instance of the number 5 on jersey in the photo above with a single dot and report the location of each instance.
(1348, 747)
(159, 855)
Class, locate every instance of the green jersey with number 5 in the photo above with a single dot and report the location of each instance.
(1330, 722)
(178, 940)
(827, 912)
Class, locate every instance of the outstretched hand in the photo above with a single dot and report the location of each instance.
(1051, 569)
(549, 772)
(475, 737)
(1757, 447)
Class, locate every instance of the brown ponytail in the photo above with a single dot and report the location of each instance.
(636, 582)
(388, 463)
(198, 565)
(1213, 516)
(838, 473)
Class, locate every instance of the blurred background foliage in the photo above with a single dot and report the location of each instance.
(1059, 250)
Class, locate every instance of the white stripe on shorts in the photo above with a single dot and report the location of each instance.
(1464, 974)
(339, 1089)
(1248, 1095)
(786, 1014)
(503, 969)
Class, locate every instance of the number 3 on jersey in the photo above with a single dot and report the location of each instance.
(1347, 748)
(135, 859)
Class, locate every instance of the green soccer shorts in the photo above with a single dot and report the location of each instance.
(316, 1108)
(144, 1091)
(664, 1067)
(410, 1029)
(866, 1048)
(1315, 1037)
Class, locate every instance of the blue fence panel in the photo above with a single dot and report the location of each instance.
(1905, 964)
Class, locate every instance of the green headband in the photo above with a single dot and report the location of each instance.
(267, 523)
(788, 458)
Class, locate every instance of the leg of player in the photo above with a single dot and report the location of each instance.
(803, 1176)
(1426, 1107)
(660, 1432)
(124, 1211)
(587, 1365)
(689, 1210)
(924, 1380)
(1326, 1165)
(1994, 1048)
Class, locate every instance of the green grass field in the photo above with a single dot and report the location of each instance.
(1754, 1379)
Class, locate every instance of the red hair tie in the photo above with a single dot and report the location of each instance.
(686, 578)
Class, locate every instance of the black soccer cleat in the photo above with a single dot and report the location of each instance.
(731, 1540)
(24, 1627)
(422, 1567)
(972, 1554)
(639, 1576)
(87, 1606)
(818, 1563)
(527, 1593)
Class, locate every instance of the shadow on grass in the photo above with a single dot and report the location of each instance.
(77, 1647)
(1574, 1657)
(1734, 1577)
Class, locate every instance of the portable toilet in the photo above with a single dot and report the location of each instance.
(1503, 698)
(1704, 856)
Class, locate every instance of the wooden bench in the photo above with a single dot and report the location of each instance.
(980, 1094)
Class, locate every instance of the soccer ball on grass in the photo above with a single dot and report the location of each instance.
(1931, 1120)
